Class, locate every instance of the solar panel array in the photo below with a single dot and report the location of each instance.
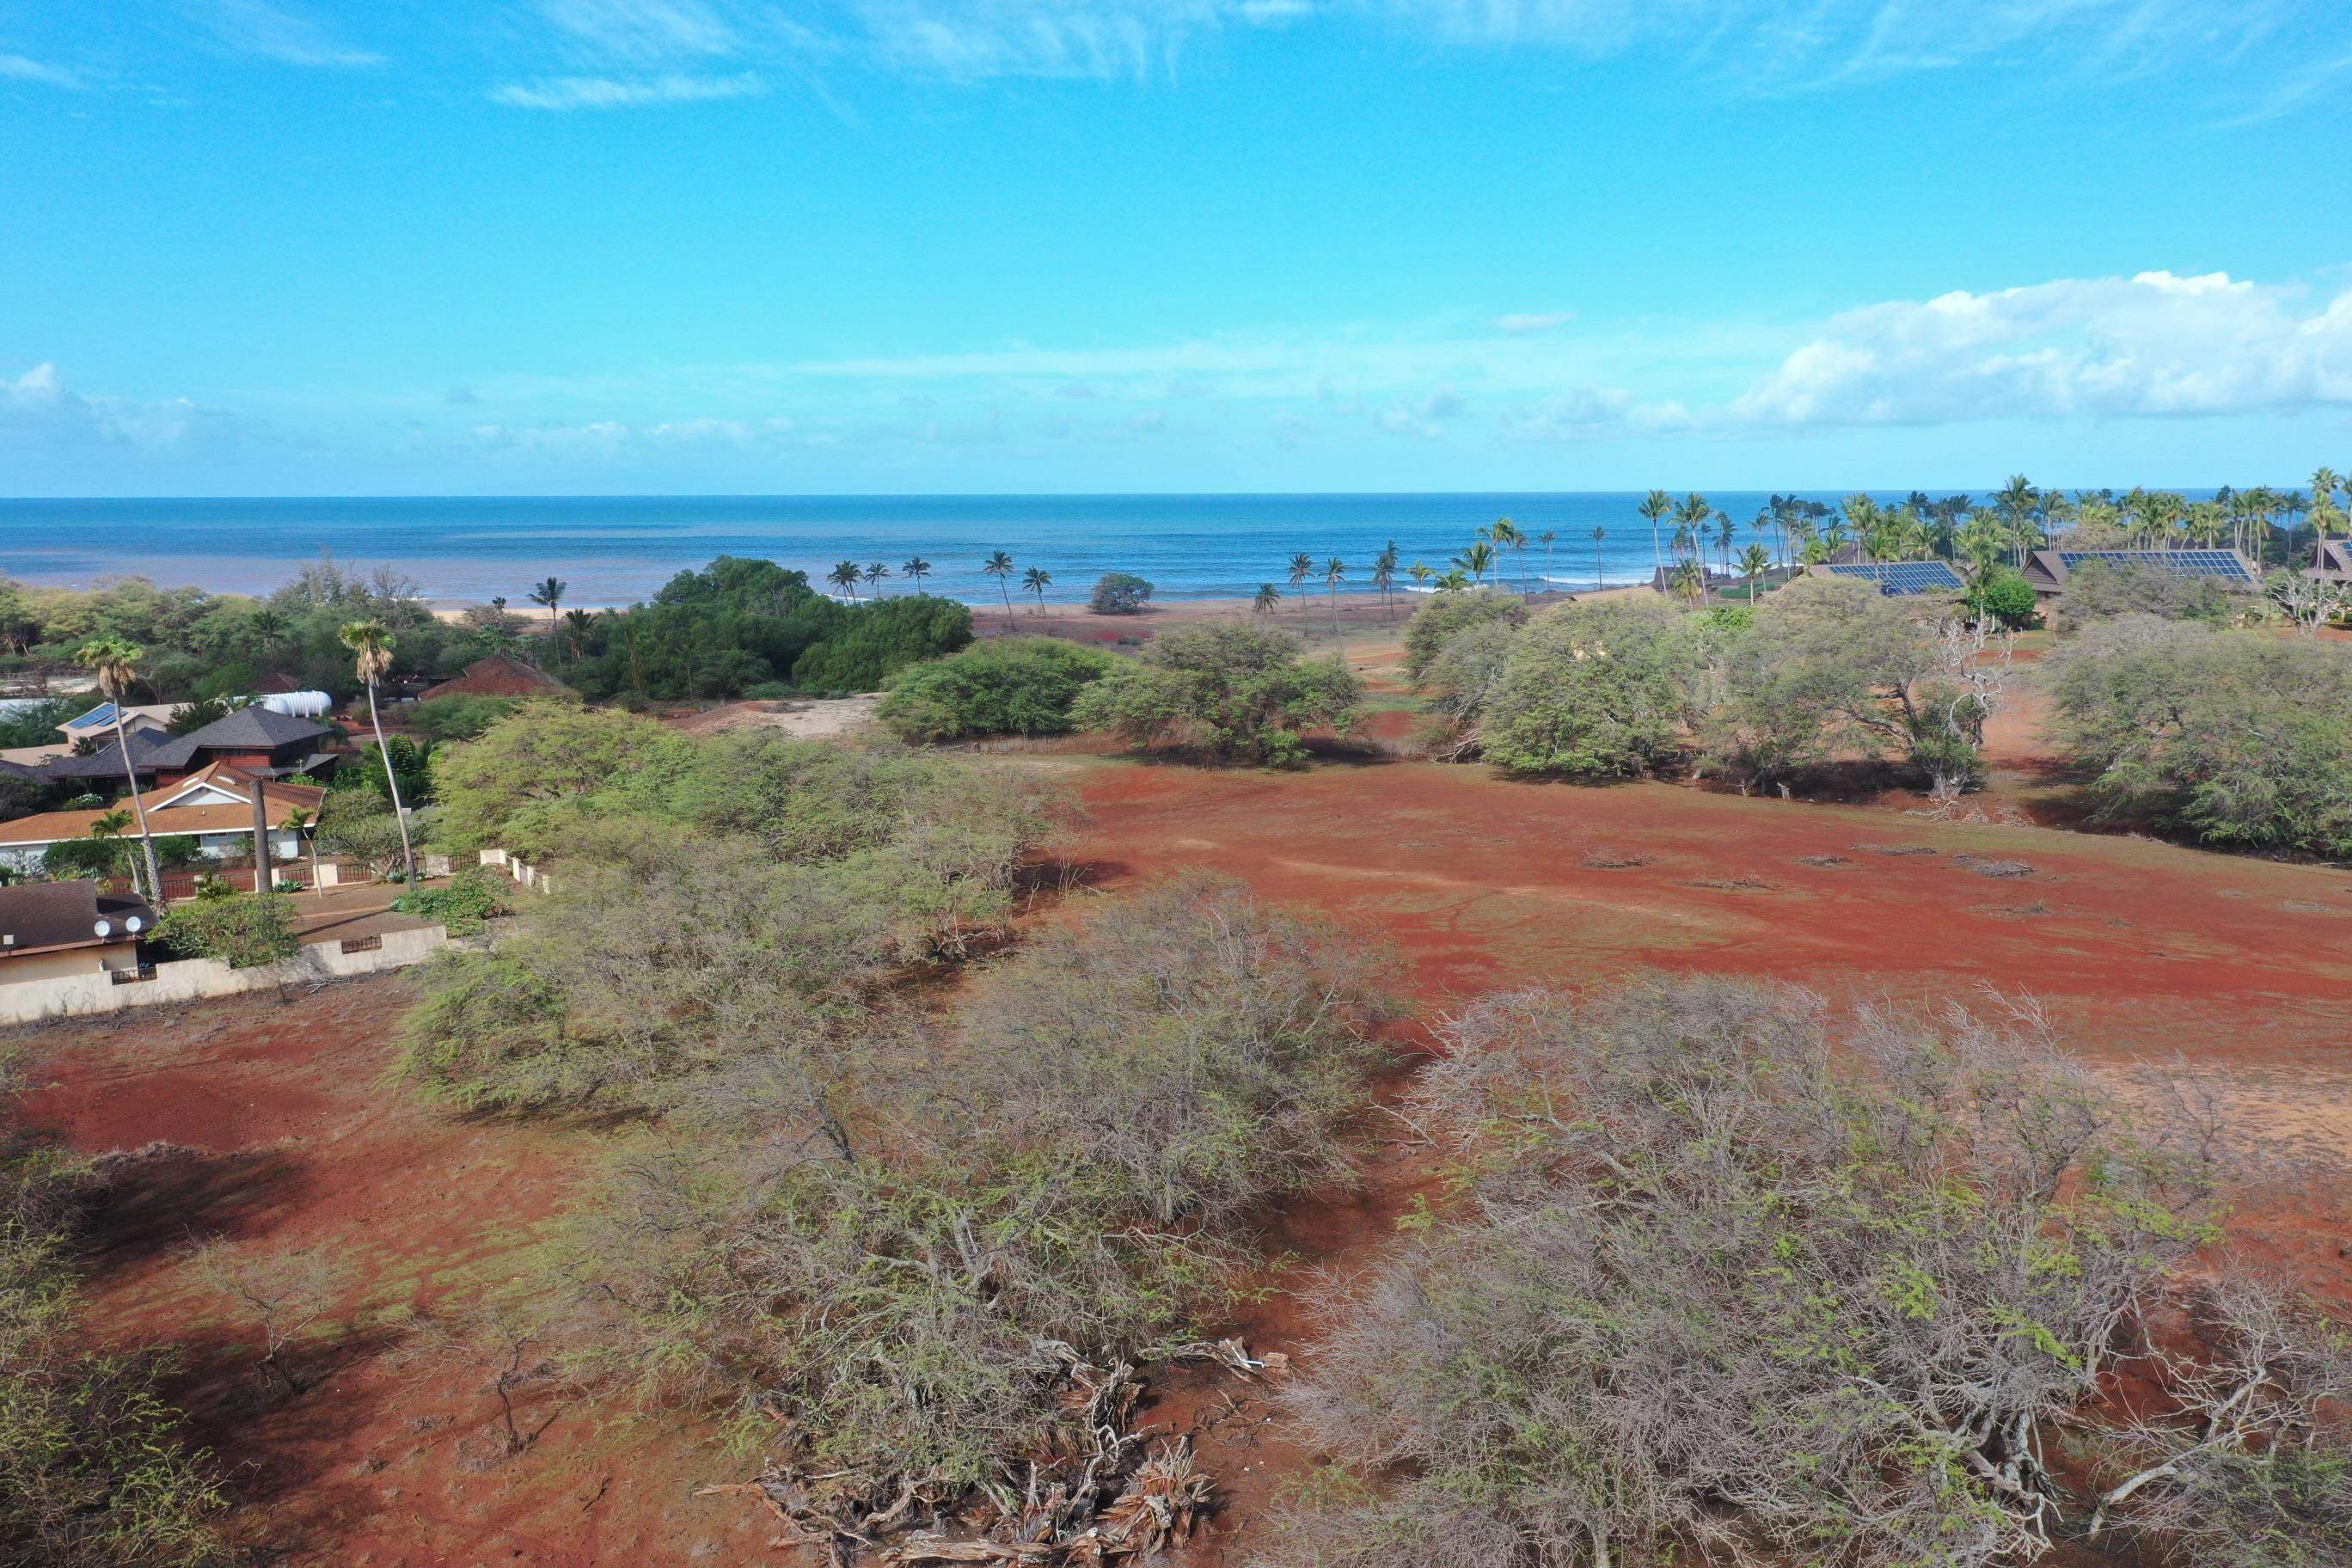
(1897, 579)
(2225, 564)
(101, 714)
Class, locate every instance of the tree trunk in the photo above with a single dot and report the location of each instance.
(138, 805)
(318, 880)
(392, 783)
(262, 880)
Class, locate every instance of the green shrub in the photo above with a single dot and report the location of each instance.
(93, 1470)
(2102, 590)
(1230, 688)
(472, 898)
(1599, 689)
(1008, 686)
(2003, 595)
(244, 931)
(1119, 593)
(879, 639)
(1442, 617)
(458, 717)
(2240, 739)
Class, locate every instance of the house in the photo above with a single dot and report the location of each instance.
(99, 723)
(500, 675)
(1899, 579)
(256, 740)
(49, 930)
(213, 806)
(2334, 563)
(2047, 570)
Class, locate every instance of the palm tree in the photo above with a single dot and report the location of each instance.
(1600, 581)
(108, 825)
(1476, 559)
(2016, 502)
(1268, 596)
(1726, 531)
(575, 628)
(1689, 580)
(1754, 561)
(914, 570)
(116, 665)
(1545, 538)
(371, 645)
(1036, 580)
(1654, 507)
(1334, 571)
(2325, 483)
(1420, 573)
(1384, 571)
(1302, 566)
(844, 575)
(875, 572)
(999, 565)
(304, 825)
(1506, 535)
(551, 593)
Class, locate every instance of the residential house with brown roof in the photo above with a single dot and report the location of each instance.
(500, 675)
(50, 930)
(213, 806)
(253, 739)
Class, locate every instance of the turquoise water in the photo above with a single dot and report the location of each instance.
(611, 550)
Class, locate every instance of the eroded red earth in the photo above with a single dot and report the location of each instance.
(285, 1131)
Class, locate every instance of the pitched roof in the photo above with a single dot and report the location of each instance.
(2335, 561)
(500, 675)
(1899, 579)
(101, 720)
(43, 917)
(2051, 568)
(105, 761)
(166, 820)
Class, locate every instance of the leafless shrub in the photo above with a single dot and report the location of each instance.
(281, 1291)
(1743, 1278)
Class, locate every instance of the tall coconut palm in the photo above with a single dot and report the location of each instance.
(1599, 578)
(914, 570)
(1384, 567)
(845, 576)
(1689, 581)
(109, 826)
(1421, 574)
(575, 629)
(2325, 483)
(371, 645)
(1036, 580)
(1335, 571)
(1506, 535)
(1754, 562)
(1726, 531)
(1268, 596)
(115, 663)
(1545, 538)
(1477, 560)
(304, 825)
(1655, 508)
(1302, 566)
(999, 565)
(550, 593)
(875, 572)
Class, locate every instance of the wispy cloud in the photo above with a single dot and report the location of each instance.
(570, 92)
(642, 31)
(282, 34)
(40, 413)
(16, 68)
(1521, 324)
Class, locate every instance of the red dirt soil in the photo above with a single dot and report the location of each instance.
(2139, 950)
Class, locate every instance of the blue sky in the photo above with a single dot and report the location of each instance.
(255, 246)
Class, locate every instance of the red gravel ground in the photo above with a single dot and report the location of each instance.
(287, 1132)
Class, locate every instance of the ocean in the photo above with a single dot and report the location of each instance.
(613, 550)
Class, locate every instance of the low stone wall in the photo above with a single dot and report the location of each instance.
(193, 979)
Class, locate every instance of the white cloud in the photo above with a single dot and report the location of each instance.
(16, 68)
(643, 32)
(2154, 345)
(39, 413)
(569, 92)
(621, 440)
(1521, 323)
(282, 34)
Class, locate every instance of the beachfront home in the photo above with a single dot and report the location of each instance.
(50, 930)
(213, 806)
(500, 675)
(2334, 564)
(2048, 570)
(255, 740)
(1899, 579)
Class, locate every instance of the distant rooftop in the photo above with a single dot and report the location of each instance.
(1900, 579)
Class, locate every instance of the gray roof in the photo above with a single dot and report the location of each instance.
(255, 729)
(106, 762)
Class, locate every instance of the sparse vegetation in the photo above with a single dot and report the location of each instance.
(244, 931)
(1119, 593)
(1597, 690)
(1231, 689)
(1740, 1279)
(2239, 739)
(1008, 686)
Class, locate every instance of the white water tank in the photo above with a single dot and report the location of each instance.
(297, 704)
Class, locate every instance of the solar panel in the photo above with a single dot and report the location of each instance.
(1899, 579)
(101, 714)
(2226, 565)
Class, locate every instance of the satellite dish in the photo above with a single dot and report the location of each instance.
(104, 928)
(133, 924)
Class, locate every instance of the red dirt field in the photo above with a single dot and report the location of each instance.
(290, 1134)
